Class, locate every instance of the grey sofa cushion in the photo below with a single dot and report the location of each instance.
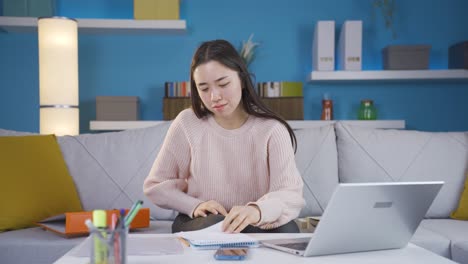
(432, 241)
(454, 230)
(316, 160)
(460, 252)
(376, 155)
(109, 168)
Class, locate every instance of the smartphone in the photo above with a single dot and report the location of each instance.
(231, 253)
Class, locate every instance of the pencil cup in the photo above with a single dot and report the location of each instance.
(109, 246)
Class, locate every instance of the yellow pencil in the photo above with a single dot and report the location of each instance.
(184, 242)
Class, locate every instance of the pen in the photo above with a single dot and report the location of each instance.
(121, 220)
(132, 213)
(114, 238)
(118, 251)
(113, 221)
(122, 254)
(114, 225)
(133, 206)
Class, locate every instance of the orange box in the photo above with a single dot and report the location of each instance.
(72, 224)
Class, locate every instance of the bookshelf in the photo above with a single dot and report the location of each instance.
(172, 106)
(290, 108)
(388, 75)
(296, 124)
(100, 26)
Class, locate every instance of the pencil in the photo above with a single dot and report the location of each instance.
(184, 241)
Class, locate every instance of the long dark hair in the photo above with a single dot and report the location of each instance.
(223, 52)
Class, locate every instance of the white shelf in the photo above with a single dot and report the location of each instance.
(387, 75)
(29, 24)
(295, 124)
(395, 124)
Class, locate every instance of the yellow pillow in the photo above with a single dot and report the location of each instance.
(35, 183)
(461, 213)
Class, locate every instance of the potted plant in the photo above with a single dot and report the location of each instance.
(247, 50)
(387, 9)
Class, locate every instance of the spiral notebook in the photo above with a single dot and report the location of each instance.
(212, 237)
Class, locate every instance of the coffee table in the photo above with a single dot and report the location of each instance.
(410, 254)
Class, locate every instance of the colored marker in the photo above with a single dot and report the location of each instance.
(132, 213)
(100, 247)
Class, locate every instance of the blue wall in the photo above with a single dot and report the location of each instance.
(140, 64)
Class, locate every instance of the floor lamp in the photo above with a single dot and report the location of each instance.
(58, 76)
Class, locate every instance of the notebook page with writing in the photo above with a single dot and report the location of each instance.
(213, 237)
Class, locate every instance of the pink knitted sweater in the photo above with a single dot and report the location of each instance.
(254, 164)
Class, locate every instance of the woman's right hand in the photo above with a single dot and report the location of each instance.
(210, 206)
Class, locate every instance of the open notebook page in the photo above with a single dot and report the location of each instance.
(214, 236)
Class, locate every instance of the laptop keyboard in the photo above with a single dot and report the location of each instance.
(297, 246)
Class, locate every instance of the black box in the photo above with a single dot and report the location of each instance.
(458, 56)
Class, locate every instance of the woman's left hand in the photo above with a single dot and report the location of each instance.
(240, 217)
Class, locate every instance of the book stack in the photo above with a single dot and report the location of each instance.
(280, 89)
(177, 89)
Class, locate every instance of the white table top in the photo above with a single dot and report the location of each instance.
(409, 254)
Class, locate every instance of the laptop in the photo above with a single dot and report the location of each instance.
(364, 217)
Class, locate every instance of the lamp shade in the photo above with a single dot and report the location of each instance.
(58, 76)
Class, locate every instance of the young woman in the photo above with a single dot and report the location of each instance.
(228, 158)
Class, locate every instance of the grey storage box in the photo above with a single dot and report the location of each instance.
(458, 56)
(28, 8)
(117, 108)
(406, 57)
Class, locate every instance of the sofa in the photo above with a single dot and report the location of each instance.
(108, 170)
